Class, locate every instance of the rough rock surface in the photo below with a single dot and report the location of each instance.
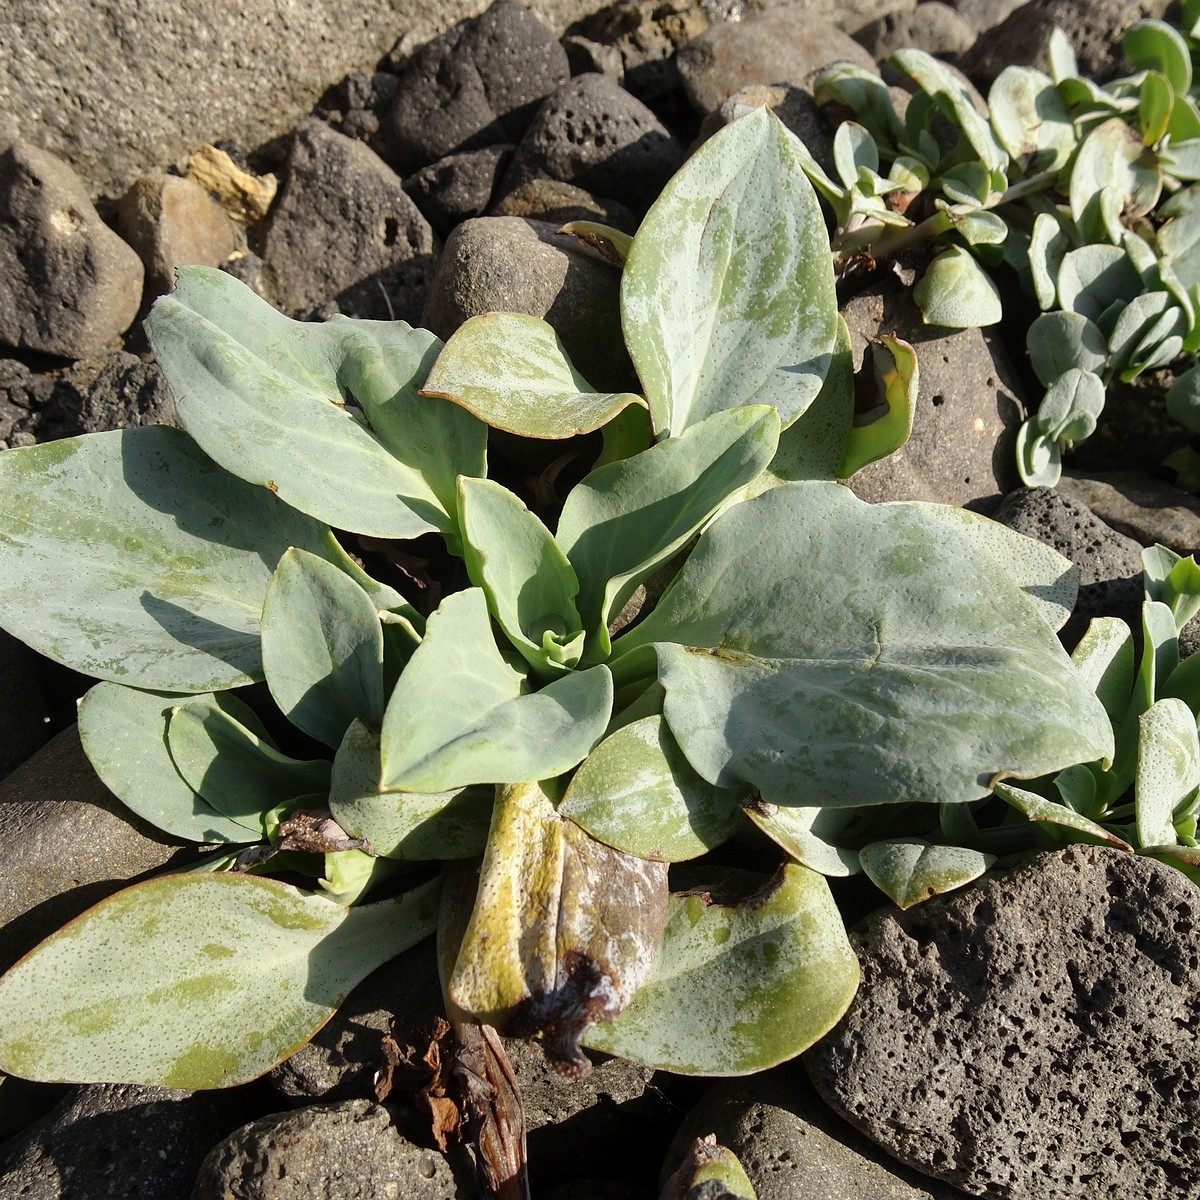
(68, 285)
(68, 843)
(1093, 27)
(781, 45)
(967, 414)
(615, 1123)
(1139, 506)
(344, 231)
(172, 222)
(792, 1146)
(457, 187)
(1110, 564)
(116, 1141)
(342, 1060)
(593, 134)
(119, 89)
(513, 265)
(1025, 1038)
(557, 203)
(346, 1151)
(476, 85)
(936, 28)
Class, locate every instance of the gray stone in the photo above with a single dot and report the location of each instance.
(612, 1123)
(68, 843)
(68, 285)
(114, 1141)
(794, 106)
(346, 1151)
(593, 134)
(792, 1147)
(121, 391)
(341, 1061)
(1109, 563)
(1028, 1037)
(507, 264)
(344, 230)
(22, 394)
(782, 45)
(932, 27)
(557, 203)
(1139, 506)
(1093, 27)
(118, 90)
(477, 85)
(457, 187)
(983, 15)
(968, 410)
(173, 222)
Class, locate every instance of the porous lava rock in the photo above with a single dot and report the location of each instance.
(1029, 1037)
(346, 1151)
(478, 84)
(458, 187)
(1093, 27)
(1109, 563)
(595, 135)
(344, 231)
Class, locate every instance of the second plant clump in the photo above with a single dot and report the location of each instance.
(582, 815)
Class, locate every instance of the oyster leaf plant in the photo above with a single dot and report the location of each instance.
(621, 833)
(1087, 192)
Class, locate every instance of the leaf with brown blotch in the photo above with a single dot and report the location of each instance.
(563, 932)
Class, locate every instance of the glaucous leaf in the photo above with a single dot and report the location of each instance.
(1071, 826)
(853, 149)
(1144, 322)
(908, 870)
(1048, 245)
(322, 647)
(1058, 341)
(625, 518)
(1179, 235)
(610, 244)
(1061, 55)
(730, 301)
(950, 92)
(739, 985)
(826, 652)
(957, 292)
(512, 372)
(814, 446)
(1031, 119)
(1039, 458)
(637, 793)
(195, 980)
(563, 932)
(1104, 658)
(124, 735)
(1112, 159)
(415, 826)
(1093, 277)
(808, 834)
(235, 768)
(529, 584)
(1070, 408)
(1156, 46)
(1045, 576)
(130, 556)
(1168, 769)
(326, 416)
(865, 94)
(459, 713)
(1174, 580)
